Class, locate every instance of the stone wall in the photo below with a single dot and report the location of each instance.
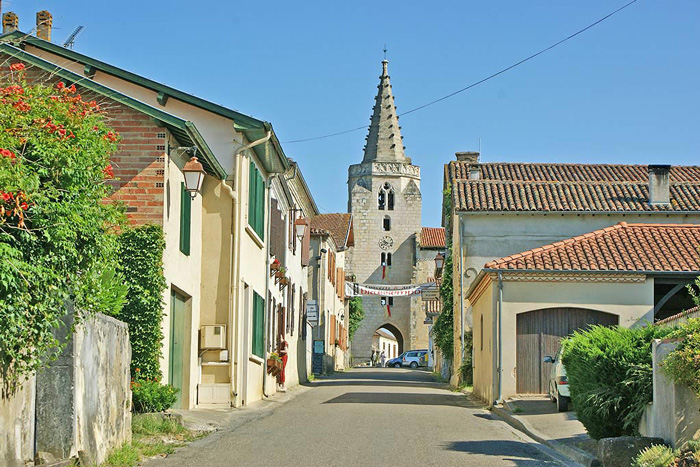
(364, 260)
(16, 426)
(674, 414)
(95, 416)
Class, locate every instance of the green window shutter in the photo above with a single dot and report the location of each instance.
(258, 325)
(256, 201)
(185, 220)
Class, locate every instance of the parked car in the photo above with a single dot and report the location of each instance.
(558, 383)
(415, 358)
(396, 362)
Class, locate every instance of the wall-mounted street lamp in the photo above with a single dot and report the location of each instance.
(194, 176)
(300, 226)
(439, 263)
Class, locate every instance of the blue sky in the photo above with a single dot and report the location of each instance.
(626, 91)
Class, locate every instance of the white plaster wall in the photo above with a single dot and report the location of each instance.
(17, 426)
(182, 274)
(632, 302)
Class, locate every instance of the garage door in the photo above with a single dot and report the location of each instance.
(538, 334)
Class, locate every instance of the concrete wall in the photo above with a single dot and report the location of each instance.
(17, 426)
(483, 315)
(674, 414)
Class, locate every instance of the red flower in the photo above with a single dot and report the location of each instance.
(110, 136)
(109, 173)
(24, 206)
(7, 153)
(6, 196)
(17, 67)
(60, 85)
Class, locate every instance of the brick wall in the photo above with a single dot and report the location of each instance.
(139, 164)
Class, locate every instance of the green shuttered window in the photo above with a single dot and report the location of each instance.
(258, 324)
(185, 220)
(256, 201)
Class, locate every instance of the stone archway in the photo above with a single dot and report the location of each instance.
(397, 334)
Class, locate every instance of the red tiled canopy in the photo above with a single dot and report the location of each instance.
(432, 237)
(622, 247)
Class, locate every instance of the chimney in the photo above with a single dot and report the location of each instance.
(469, 157)
(659, 184)
(44, 22)
(10, 22)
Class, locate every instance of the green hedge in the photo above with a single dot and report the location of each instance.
(610, 377)
(141, 265)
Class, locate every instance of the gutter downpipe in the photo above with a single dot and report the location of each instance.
(267, 285)
(499, 337)
(234, 268)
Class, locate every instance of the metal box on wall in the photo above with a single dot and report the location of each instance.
(213, 336)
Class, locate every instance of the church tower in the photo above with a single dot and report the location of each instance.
(385, 201)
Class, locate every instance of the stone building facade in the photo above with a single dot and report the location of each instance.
(385, 201)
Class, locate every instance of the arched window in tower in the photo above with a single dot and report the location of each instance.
(381, 200)
(383, 263)
(386, 224)
(390, 200)
(388, 259)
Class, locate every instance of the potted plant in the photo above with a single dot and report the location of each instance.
(279, 274)
(274, 364)
(284, 282)
(274, 266)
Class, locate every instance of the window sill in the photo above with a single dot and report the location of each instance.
(258, 241)
(255, 359)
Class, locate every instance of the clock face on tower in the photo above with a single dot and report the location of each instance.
(386, 242)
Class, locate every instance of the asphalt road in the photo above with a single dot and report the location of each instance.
(368, 417)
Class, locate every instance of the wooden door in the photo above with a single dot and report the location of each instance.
(177, 343)
(539, 332)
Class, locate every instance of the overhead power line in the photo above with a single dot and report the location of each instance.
(481, 81)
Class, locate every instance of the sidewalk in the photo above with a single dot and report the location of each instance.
(210, 420)
(538, 418)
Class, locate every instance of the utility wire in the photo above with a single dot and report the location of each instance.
(581, 31)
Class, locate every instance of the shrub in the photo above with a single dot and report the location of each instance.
(683, 364)
(657, 455)
(610, 377)
(141, 265)
(357, 314)
(466, 372)
(149, 395)
(57, 237)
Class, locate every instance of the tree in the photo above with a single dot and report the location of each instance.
(357, 314)
(57, 231)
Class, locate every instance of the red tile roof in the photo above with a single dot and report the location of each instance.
(567, 187)
(432, 237)
(339, 226)
(622, 247)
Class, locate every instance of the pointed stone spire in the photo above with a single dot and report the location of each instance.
(384, 143)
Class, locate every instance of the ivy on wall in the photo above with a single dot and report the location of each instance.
(57, 235)
(357, 314)
(443, 328)
(141, 264)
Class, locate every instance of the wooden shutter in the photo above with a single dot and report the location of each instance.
(185, 220)
(258, 325)
(306, 246)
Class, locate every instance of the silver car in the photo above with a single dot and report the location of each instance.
(558, 383)
(415, 358)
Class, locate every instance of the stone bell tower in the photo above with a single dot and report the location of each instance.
(385, 201)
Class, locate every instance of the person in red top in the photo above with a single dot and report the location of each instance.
(283, 355)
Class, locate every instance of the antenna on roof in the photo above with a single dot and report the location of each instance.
(71, 39)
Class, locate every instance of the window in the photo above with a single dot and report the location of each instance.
(258, 325)
(387, 301)
(383, 259)
(390, 200)
(185, 220)
(381, 200)
(256, 201)
(388, 259)
(481, 333)
(386, 224)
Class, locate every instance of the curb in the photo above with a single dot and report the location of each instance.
(570, 452)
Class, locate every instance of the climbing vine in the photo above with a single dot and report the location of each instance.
(357, 314)
(443, 328)
(57, 235)
(141, 264)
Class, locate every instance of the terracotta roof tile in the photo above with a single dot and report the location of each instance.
(567, 187)
(431, 237)
(339, 226)
(622, 247)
